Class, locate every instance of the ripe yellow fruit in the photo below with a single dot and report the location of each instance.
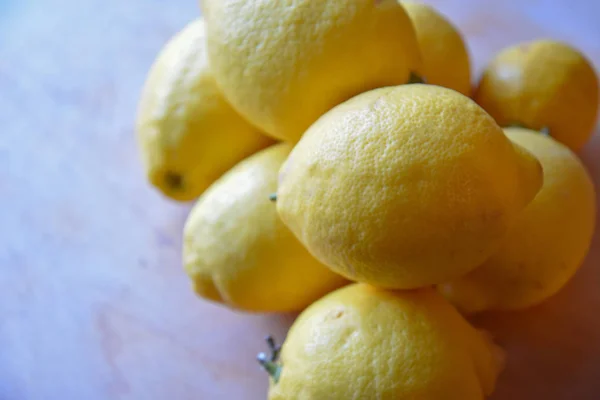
(445, 55)
(542, 84)
(361, 342)
(238, 252)
(188, 134)
(547, 243)
(282, 64)
(405, 186)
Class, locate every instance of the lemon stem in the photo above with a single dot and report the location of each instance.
(269, 363)
(273, 197)
(545, 131)
(173, 180)
(415, 78)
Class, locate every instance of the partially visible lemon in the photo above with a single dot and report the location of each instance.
(188, 134)
(238, 252)
(406, 186)
(547, 243)
(364, 343)
(542, 84)
(445, 54)
(282, 64)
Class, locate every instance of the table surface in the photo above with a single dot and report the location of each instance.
(93, 300)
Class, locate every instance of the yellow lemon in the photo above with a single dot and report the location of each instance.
(282, 64)
(547, 243)
(188, 134)
(542, 84)
(445, 55)
(364, 343)
(238, 252)
(405, 186)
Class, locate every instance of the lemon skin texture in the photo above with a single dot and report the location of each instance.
(542, 84)
(362, 343)
(238, 252)
(406, 186)
(443, 49)
(282, 64)
(187, 132)
(547, 243)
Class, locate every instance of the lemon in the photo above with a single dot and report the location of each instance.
(445, 55)
(542, 84)
(547, 243)
(364, 343)
(405, 186)
(282, 64)
(238, 252)
(188, 134)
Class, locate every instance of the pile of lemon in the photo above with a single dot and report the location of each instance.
(339, 141)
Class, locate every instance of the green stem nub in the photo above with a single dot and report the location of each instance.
(416, 78)
(545, 131)
(273, 197)
(269, 363)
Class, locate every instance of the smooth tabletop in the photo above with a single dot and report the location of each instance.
(93, 300)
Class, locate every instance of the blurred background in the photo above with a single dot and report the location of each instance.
(93, 300)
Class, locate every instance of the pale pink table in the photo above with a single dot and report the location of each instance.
(93, 301)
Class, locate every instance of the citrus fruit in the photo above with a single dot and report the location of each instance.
(405, 186)
(364, 343)
(238, 252)
(546, 244)
(188, 134)
(443, 49)
(282, 64)
(542, 84)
